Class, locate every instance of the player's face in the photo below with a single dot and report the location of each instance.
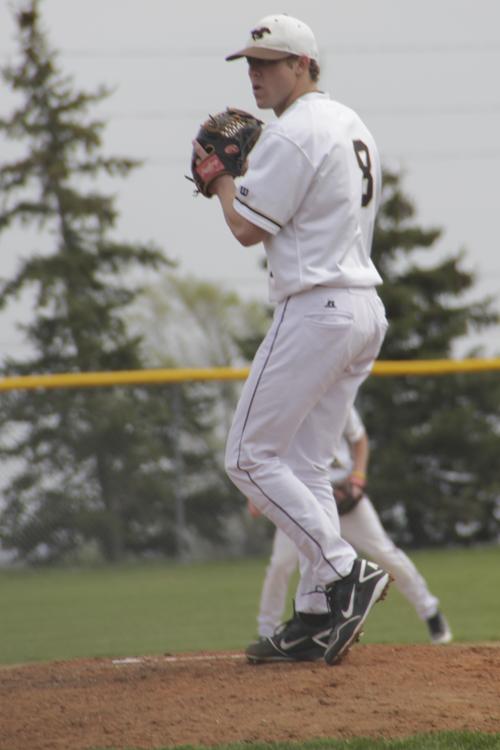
(274, 82)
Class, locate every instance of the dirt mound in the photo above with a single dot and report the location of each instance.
(207, 699)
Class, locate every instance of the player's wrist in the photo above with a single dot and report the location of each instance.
(358, 478)
(220, 182)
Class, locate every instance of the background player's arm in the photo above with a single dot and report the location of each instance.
(252, 509)
(360, 452)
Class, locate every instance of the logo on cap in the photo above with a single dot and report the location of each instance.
(259, 33)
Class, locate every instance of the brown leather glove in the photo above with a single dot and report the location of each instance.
(347, 494)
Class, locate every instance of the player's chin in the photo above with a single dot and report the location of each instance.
(263, 105)
(261, 100)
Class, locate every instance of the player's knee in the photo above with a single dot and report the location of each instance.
(234, 468)
(231, 459)
(238, 472)
(231, 469)
(239, 461)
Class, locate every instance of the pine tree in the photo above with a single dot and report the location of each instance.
(434, 439)
(86, 467)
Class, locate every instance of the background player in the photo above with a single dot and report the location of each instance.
(361, 526)
(310, 194)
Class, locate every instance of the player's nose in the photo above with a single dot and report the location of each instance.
(254, 75)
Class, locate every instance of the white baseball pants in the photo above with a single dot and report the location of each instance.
(363, 529)
(290, 417)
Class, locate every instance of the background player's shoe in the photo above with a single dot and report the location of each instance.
(439, 630)
(294, 640)
(351, 600)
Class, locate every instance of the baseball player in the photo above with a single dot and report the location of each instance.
(359, 525)
(310, 195)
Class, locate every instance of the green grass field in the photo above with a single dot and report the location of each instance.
(163, 608)
(441, 741)
(158, 608)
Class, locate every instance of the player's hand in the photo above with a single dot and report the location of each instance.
(199, 151)
(200, 155)
(356, 491)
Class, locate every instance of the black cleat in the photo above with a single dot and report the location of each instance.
(439, 630)
(351, 600)
(294, 640)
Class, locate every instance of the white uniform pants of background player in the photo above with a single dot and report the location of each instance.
(363, 529)
(290, 417)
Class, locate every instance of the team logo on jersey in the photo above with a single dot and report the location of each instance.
(330, 303)
(259, 33)
(243, 190)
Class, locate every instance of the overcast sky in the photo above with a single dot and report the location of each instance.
(423, 76)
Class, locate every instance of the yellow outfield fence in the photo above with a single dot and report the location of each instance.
(180, 375)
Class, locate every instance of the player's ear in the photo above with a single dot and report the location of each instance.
(302, 64)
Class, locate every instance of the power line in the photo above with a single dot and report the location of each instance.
(372, 49)
(487, 108)
(146, 53)
(417, 49)
(442, 155)
(458, 110)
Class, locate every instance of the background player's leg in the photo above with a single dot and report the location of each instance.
(283, 562)
(364, 530)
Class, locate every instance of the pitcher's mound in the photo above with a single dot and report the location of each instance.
(214, 698)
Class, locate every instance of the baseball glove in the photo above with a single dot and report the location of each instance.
(347, 495)
(228, 138)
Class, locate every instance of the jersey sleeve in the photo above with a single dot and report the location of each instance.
(354, 429)
(275, 184)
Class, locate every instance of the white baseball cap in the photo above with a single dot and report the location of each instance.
(277, 36)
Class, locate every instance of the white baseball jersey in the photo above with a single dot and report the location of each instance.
(313, 184)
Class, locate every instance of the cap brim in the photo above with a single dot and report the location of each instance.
(261, 53)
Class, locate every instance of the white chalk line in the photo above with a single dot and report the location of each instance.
(172, 659)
